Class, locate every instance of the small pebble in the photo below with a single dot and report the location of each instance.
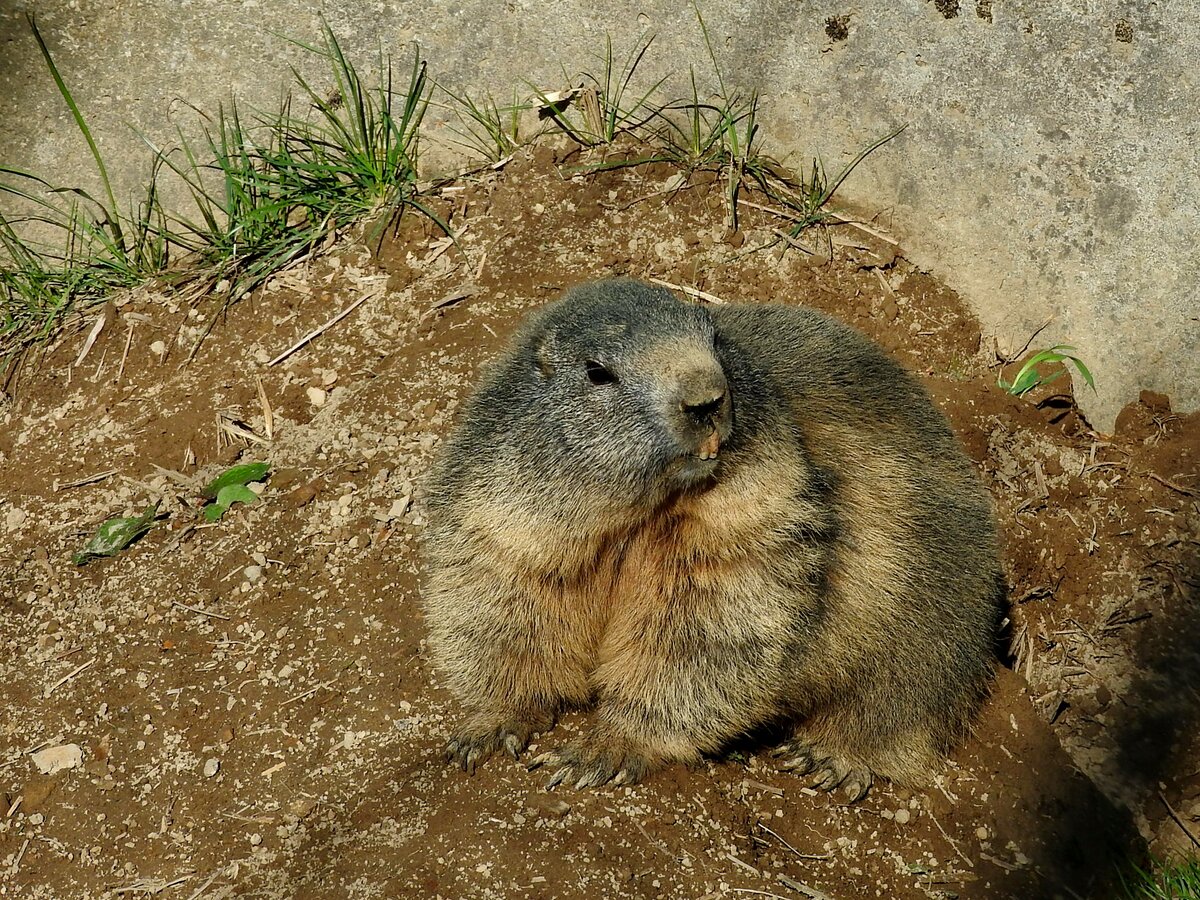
(15, 518)
(981, 832)
(316, 396)
(54, 759)
(211, 767)
(253, 573)
(556, 809)
(901, 817)
(302, 806)
(255, 840)
(158, 348)
(304, 494)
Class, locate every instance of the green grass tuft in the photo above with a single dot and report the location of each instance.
(101, 247)
(39, 287)
(809, 200)
(718, 133)
(254, 213)
(486, 129)
(1028, 377)
(1175, 880)
(365, 138)
(601, 109)
(267, 188)
(112, 218)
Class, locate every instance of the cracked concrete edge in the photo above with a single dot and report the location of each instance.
(1048, 170)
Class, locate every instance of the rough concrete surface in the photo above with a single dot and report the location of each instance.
(1048, 171)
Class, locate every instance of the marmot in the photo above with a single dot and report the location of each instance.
(707, 521)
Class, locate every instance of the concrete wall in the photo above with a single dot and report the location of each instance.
(1049, 169)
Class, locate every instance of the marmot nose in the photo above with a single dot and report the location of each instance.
(703, 396)
(703, 410)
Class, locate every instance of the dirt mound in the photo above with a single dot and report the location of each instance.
(251, 701)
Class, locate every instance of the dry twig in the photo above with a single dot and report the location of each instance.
(50, 690)
(268, 416)
(125, 353)
(690, 291)
(789, 846)
(317, 332)
(1166, 482)
(101, 321)
(91, 479)
(1178, 821)
(199, 612)
(811, 892)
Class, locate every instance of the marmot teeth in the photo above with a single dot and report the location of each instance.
(711, 445)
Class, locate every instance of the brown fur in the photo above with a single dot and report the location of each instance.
(796, 582)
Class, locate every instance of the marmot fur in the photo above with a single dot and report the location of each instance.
(707, 521)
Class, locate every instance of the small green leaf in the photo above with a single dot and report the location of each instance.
(227, 496)
(235, 493)
(237, 475)
(1083, 370)
(115, 535)
(214, 511)
(1028, 377)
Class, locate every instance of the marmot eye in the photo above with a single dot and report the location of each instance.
(597, 374)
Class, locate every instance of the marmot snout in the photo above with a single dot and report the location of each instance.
(698, 412)
(704, 521)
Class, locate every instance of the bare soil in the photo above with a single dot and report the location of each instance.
(251, 698)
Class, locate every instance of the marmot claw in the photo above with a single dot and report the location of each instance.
(829, 770)
(583, 768)
(472, 746)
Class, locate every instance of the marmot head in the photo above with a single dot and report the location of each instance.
(629, 380)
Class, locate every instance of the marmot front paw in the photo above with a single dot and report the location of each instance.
(587, 764)
(829, 770)
(479, 740)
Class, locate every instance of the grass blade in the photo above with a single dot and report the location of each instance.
(112, 217)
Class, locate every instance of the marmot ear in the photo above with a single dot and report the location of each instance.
(543, 356)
